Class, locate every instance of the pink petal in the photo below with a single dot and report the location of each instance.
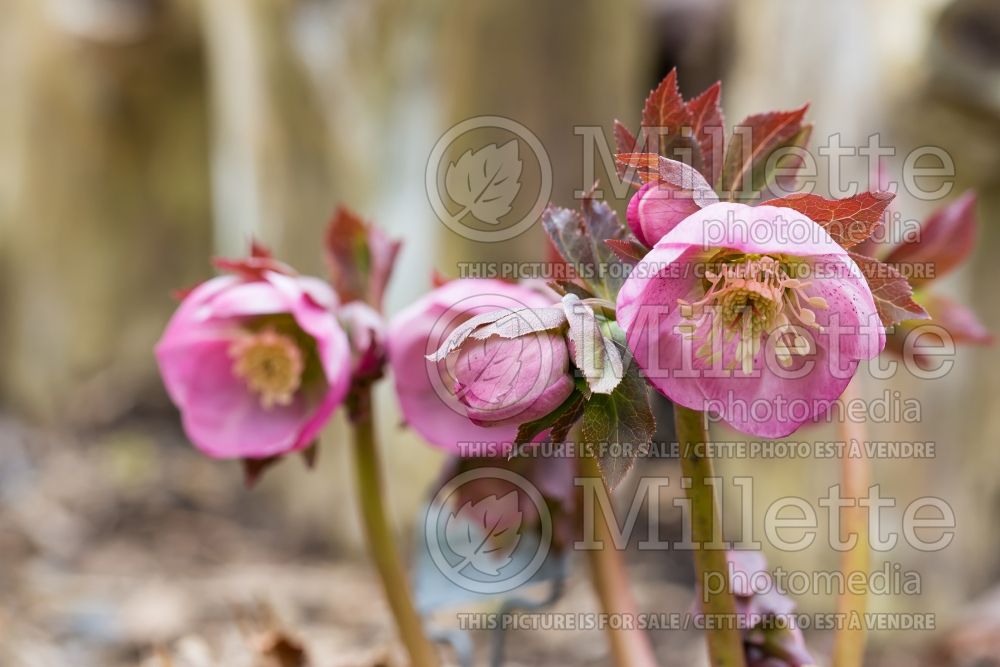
(425, 388)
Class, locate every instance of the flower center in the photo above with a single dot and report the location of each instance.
(747, 298)
(270, 363)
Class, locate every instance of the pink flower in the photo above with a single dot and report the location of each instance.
(427, 389)
(256, 362)
(771, 638)
(752, 313)
(655, 209)
(510, 381)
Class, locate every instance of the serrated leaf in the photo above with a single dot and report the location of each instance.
(596, 357)
(751, 144)
(485, 182)
(891, 291)
(624, 139)
(622, 417)
(463, 331)
(580, 239)
(625, 143)
(789, 162)
(944, 241)
(664, 115)
(848, 221)
(560, 421)
(499, 519)
(629, 251)
(708, 127)
(566, 230)
(645, 167)
(602, 224)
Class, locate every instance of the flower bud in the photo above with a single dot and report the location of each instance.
(512, 380)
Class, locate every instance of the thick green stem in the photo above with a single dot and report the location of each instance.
(381, 545)
(630, 646)
(849, 644)
(725, 643)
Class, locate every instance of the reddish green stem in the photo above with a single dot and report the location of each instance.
(725, 643)
(849, 644)
(381, 544)
(630, 646)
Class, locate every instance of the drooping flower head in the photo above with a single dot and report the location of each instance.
(754, 314)
(449, 401)
(256, 361)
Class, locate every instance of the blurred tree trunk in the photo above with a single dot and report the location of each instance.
(550, 66)
(270, 165)
(105, 198)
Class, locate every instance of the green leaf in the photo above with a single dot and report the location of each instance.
(620, 418)
(560, 420)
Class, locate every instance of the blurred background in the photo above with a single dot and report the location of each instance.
(140, 137)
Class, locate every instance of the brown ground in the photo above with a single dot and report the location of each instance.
(126, 547)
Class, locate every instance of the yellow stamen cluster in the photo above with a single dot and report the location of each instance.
(746, 299)
(271, 364)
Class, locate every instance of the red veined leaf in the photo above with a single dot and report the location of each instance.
(751, 144)
(624, 139)
(664, 116)
(891, 291)
(664, 107)
(708, 127)
(848, 221)
(629, 250)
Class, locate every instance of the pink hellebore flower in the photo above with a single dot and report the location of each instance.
(509, 381)
(771, 638)
(752, 313)
(476, 395)
(256, 363)
(655, 209)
